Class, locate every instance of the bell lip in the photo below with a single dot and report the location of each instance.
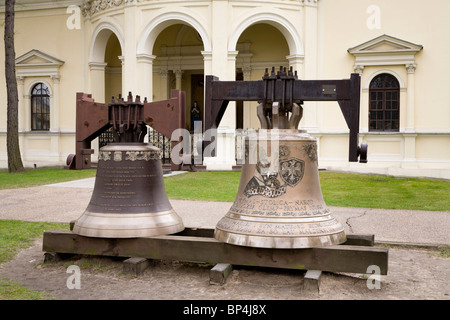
(136, 225)
(297, 242)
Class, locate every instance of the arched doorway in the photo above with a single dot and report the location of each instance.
(106, 48)
(260, 46)
(105, 72)
(113, 68)
(179, 65)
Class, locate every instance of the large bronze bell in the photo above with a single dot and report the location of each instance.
(129, 198)
(279, 203)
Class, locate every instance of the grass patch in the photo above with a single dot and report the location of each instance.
(16, 235)
(445, 251)
(338, 189)
(204, 185)
(37, 177)
(384, 192)
(13, 291)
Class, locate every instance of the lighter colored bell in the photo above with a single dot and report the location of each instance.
(129, 198)
(279, 203)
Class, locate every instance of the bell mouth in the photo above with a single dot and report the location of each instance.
(283, 233)
(280, 242)
(107, 225)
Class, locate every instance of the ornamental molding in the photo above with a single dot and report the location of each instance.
(91, 7)
(36, 63)
(384, 50)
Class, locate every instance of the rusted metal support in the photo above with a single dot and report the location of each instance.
(93, 118)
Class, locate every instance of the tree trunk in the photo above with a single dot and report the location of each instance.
(12, 136)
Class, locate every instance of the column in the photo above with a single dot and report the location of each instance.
(220, 21)
(228, 121)
(310, 112)
(296, 61)
(207, 62)
(129, 65)
(409, 152)
(178, 78)
(364, 106)
(164, 83)
(123, 90)
(249, 112)
(145, 69)
(410, 68)
(21, 106)
(223, 66)
(97, 83)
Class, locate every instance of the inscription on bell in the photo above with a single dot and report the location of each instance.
(259, 228)
(278, 207)
(129, 155)
(119, 184)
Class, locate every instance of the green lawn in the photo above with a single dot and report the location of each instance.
(204, 185)
(37, 177)
(14, 236)
(338, 189)
(13, 291)
(374, 191)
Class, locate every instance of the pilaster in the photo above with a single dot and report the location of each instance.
(54, 106)
(145, 75)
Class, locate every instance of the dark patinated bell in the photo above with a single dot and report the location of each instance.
(129, 198)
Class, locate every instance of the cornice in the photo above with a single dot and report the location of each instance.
(91, 7)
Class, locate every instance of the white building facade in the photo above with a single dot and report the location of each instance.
(106, 47)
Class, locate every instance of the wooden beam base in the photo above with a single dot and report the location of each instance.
(198, 245)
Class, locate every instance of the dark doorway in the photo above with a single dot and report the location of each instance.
(197, 94)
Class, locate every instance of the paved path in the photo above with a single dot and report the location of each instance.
(64, 202)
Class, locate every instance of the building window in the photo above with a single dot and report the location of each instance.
(384, 103)
(40, 107)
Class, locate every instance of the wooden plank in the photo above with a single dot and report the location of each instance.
(196, 232)
(340, 258)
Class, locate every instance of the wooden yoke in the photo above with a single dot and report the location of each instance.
(92, 120)
(285, 89)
